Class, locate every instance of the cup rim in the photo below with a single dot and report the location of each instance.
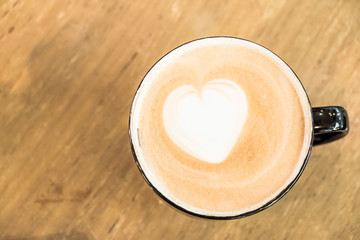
(212, 217)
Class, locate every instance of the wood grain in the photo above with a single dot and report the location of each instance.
(68, 72)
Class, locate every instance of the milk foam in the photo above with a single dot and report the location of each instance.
(194, 101)
(206, 124)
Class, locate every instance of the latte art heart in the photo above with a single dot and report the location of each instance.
(206, 124)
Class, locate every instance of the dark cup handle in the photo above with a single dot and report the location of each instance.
(330, 124)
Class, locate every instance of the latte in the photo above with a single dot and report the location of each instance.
(220, 126)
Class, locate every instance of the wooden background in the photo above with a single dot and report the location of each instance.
(68, 72)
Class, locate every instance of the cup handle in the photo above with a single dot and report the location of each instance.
(330, 124)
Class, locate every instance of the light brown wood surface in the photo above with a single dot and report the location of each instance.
(68, 72)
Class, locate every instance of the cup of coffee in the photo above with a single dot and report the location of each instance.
(222, 128)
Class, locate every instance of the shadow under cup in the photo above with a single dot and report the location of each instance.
(328, 124)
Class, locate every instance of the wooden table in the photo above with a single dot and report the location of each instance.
(68, 72)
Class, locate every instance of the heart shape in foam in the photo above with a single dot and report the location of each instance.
(207, 124)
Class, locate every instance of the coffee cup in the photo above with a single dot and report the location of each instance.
(222, 128)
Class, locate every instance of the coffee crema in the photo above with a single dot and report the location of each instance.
(220, 126)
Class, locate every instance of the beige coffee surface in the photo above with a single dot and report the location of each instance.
(270, 148)
(69, 71)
